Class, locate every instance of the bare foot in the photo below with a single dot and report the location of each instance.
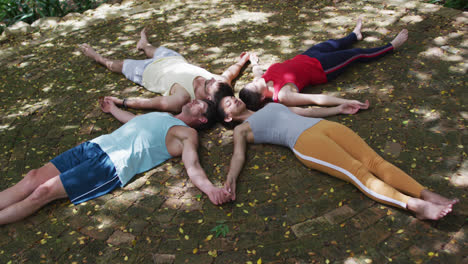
(428, 210)
(400, 39)
(357, 29)
(143, 40)
(429, 196)
(89, 51)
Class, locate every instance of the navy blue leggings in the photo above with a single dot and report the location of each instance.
(335, 56)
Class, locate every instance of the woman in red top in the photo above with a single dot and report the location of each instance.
(283, 82)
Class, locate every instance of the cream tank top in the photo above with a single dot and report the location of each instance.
(162, 74)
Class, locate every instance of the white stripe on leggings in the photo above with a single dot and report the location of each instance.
(353, 178)
(76, 198)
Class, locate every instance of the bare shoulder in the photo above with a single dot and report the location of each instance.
(177, 136)
(244, 130)
(183, 132)
(179, 90)
(287, 91)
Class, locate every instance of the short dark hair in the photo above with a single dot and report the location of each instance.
(222, 115)
(252, 100)
(210, 115)
(224, 89)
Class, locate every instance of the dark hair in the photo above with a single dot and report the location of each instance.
(210, 115)
(222, 115)
(224, 89)
(252, 100)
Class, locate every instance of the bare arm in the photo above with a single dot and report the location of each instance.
(171, 103)
(238, 158)
(196, 173)
(108, 106)
(256, 69)
(294, 99)
(347, 108)
(234, 70)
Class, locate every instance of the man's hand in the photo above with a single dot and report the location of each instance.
(106, 104)
(116, 100)
(218, 196)
(230, 187)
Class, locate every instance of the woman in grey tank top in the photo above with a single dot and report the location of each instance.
(328, 147)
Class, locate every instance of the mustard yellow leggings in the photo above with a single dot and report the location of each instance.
(336, 150)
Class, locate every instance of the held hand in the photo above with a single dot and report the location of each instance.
(218, 196)
(243, 55)
(106, 104)
(253, 58)
(348, 108)
(364, 105)
(230, 187)
(116, 100)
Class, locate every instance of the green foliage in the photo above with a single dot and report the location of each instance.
(457, 4)
(221, 229)
(28, 11)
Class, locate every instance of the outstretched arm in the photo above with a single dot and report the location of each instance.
(238, 158)
(108, 106)
(196, 173)
(295, 99)
(171, 103)
(256, 69)
(233, 71)
(346, 108)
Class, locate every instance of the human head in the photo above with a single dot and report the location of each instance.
(224, 89)
(213, 89)
(201, 113)
(228, 108)
(251, 96)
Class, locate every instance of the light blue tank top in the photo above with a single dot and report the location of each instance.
(276, 124)
(138, 145)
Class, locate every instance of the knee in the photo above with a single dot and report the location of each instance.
(43, 192)
(31, 177)
(359, 171)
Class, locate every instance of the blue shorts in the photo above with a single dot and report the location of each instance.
(133, 69)
(86, 172)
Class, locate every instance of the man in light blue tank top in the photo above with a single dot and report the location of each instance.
(96, 167)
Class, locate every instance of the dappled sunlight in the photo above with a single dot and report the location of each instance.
(460, 177)
(427, 114)
(242, 16)
(421, 76)
(30, 108)
(129, 28)
(411, 19)
(6, 127)
(237, 19)
(417, 120)
(284, 43)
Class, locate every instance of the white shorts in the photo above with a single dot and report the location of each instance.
(133, 69)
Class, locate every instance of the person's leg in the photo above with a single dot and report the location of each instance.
(336, 44)
(27, 185)
(334, 63)
(356, 147)
(384, 170)
(42, 195)
(113, 65)
(318, 151)
(144, 45)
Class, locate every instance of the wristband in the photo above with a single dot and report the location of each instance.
(124, 103)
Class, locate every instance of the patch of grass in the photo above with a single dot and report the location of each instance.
(456, 4)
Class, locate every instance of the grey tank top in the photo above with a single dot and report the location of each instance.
(276, 124)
